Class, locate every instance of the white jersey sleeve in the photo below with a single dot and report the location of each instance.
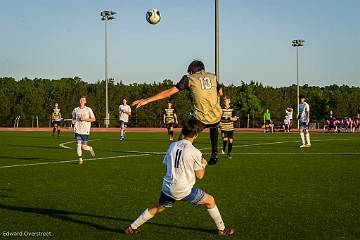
(197, 157)
(307, 108)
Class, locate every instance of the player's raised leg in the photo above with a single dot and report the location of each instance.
(89, 148)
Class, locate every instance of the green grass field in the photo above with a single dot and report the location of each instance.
(270, 189)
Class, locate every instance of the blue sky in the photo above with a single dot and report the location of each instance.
(54, 39)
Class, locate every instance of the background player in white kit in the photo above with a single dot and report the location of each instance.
(124, 113)
(82, 117)
(184, 163)
(288, 119)
(304, 118)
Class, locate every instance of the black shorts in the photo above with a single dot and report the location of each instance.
(169, 125)
(213, 125)
(227, 134)
(56, 123)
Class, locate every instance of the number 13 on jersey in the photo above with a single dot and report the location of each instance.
(205, 83)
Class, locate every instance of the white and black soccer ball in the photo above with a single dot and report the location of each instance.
(153, 16)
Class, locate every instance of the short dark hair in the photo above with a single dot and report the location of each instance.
(191, 127)
(195, 66)
(301, 96)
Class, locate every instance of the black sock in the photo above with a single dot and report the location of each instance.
(224, 145)
(172, 133)
(229, 147)
(53, 131)
(214, 134)
(58, 131)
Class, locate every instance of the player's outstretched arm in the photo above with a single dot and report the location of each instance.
(162, 95)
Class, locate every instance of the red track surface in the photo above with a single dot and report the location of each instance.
(247, 130)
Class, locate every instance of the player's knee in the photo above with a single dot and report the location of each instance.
(209, 201)
(86, 147)
(230, 140)
(225, 139)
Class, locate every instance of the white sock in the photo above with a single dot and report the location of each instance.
(302, 138)
(215, 215)
(121, 133)
(79, 151)
(307, 135)
(144, 217)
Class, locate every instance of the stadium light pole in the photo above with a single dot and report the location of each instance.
(106, 16)
(217, 39)
(297, 43)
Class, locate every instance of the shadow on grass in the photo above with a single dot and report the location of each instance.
(29, 146)
(25, 158)
(69, 216)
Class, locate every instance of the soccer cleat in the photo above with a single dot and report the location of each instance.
(226, 232)
(307, 145)
(229, 156)
(222, 152)
(302, 146)
(81, 161)
(130, 230)
(213, 159)
(92, 152)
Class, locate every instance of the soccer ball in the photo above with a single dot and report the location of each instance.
(153, 16)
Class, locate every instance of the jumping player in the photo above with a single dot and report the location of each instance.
(55, 119)
(227, 126)
(170, 119)
(205, 91)
(124, 113)
(184, 163)
(82, 117)
(304, 117)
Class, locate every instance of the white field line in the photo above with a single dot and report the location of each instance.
(274, 143)
(151, 153)
(68, 161)
(296, 153)
(63, 145)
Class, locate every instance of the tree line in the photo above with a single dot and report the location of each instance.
(36, 97)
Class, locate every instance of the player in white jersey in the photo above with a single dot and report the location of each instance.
(304, 118)
(124, 113)
(82, 117)
(184, 163)
(288, 119)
